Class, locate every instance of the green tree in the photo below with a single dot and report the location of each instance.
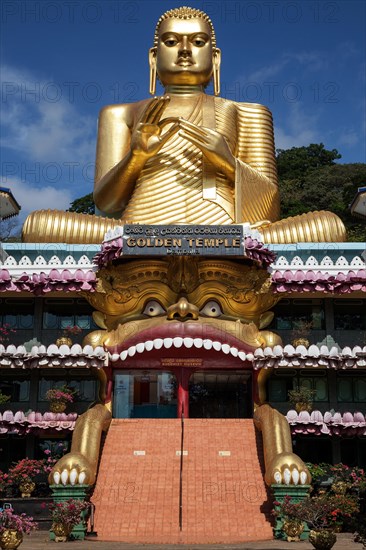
(297, 161)
(83, 205)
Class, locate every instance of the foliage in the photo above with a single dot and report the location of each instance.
(6, 482)
(301, 329)
(327, 187)
(68, 512)
(26, 469)
(319, 471)
(354, 477)
(5, 332)
(72, 330)
(301, 394)
(83, 205)
(294, 162)
(64, 394)
(21, 522)
(320, 511)
(4, 398)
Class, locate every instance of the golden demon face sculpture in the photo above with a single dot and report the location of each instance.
(182, 307)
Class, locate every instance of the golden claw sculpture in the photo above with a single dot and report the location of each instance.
(186, 157)
(79, 466)
(281, 464)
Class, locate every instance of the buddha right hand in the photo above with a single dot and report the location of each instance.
(147, 139)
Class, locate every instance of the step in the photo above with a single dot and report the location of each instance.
(224, 498)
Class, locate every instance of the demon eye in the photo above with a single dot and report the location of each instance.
(153, 309)
(211, 309)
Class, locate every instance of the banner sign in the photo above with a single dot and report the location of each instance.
(183, 240)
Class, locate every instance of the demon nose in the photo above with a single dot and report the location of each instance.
(182, 311)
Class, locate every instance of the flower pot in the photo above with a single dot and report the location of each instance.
(10, 538)
(62, 531)
(26, 488)
(322, 540)
(293, 529)
(303, 407)
(64, 340)
(57, 406)
(300, 342)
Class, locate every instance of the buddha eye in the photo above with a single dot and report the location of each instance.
(153, 309)
(211, 309)
(199, 42)
(170, 42)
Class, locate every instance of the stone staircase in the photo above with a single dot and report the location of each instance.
(224, 498)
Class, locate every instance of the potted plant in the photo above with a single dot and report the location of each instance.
(65, 515)
(301, 398)
(300, 333)
(5, 332)
(322, 514)
(66, 335)
(4, 398)
(59, 397)
(291, 525)
(23, 472)
(13, 527)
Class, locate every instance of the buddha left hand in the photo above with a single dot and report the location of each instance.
(212, 144)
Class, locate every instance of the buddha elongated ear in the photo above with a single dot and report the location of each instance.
(216, 62)
(152, 63)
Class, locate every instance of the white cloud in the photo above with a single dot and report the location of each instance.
(313, 61)
(33, 198)
(301, 129)
(36, 126)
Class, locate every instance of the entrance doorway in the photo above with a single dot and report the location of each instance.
(144, 394)
(220, 394)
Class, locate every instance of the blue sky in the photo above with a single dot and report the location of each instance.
(63, 60)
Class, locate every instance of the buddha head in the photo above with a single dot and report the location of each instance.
(184, 51)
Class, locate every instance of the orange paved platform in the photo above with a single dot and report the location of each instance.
(224, 495)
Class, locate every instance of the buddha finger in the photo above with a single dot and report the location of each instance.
(158, 110)
(168, 120)
(173, 130)
(189, 126)
(193, 140)
(190, 135)
(146, 113)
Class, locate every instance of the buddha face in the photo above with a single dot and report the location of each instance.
(184, 53)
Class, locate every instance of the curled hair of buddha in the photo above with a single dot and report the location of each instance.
(185, 12)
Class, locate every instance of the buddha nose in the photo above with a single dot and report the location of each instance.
(182, 311)
(185, 46)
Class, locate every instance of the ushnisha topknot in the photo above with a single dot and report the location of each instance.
(184, 12)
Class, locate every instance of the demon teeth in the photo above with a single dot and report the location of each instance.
(158, 343)
(168, 342)
(132, 351)
(140, 347)
(178, 342)
(188, 342)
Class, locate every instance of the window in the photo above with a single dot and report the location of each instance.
(85, 390)
(351, 389)
(62, 313)
(18, 389)
(349, 314)
(284, 380)
(18, 314)
(290, 313)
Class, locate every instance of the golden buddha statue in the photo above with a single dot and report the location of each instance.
(186, 157)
